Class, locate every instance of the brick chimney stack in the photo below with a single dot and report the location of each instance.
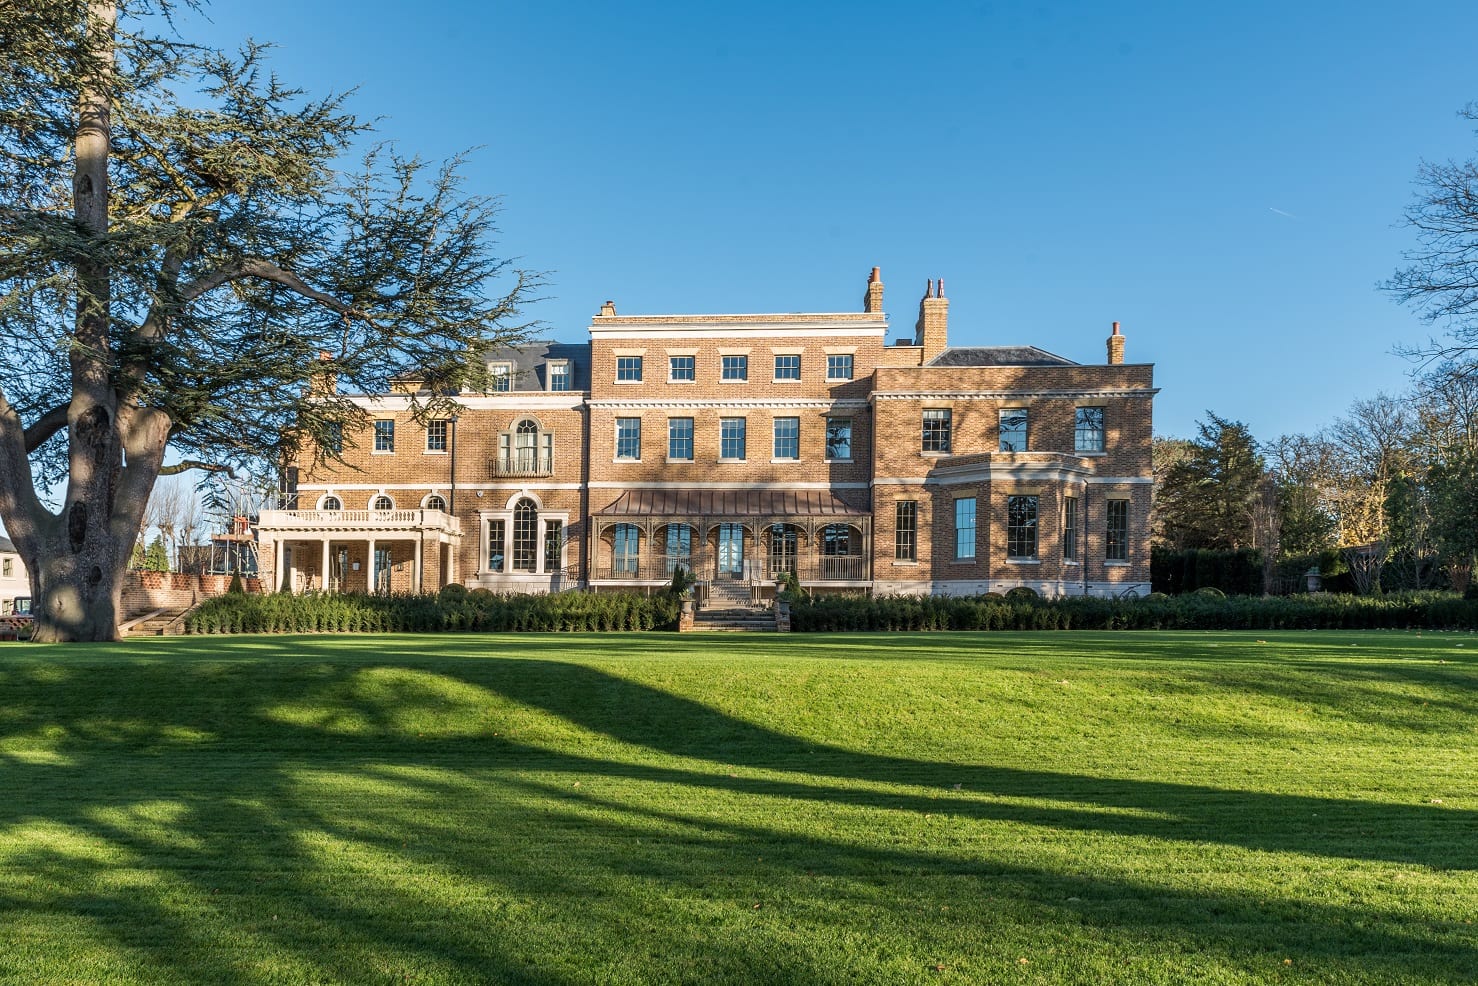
(1115, 347)
(872, 302)
(609, 308)
(325, 381)
(932, 329)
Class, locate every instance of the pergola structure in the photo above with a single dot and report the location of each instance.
(753, 535)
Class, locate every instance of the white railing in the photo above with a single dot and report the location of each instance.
(366, 520)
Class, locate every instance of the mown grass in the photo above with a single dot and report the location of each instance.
(1002, 808)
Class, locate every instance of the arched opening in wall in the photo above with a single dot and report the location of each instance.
(331, 503)
(730, 551)
(841, 552)
(435, 502)
(525, 450)
(382, 502)
(625, 550)
(525, 536)
(677, 544)
(783, 549)
(526, 445)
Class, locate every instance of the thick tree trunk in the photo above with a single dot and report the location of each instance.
(78, 564)
(77, 560)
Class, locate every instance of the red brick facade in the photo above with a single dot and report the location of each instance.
(744, 447)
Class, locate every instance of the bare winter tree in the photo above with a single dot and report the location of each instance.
(179, 256)
(1440, 280)
(174, 512)
(1267, 525)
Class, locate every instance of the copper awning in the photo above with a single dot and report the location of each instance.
(730, 503)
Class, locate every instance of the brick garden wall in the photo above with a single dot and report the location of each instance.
(144, 592)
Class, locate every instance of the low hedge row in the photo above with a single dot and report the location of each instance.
(1205, 611)
(454, 608)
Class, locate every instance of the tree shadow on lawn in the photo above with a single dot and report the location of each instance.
(236, 772)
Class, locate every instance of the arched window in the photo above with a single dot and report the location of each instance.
(840, 540)
(782, 549)
(525, 450)
(841, 552)
(331, 503)
(525, 536)
(679, 547)
(526, 444)
(626, 557)
(435, 502)
(382, 502)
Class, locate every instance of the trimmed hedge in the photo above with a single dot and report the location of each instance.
(1427, 610)
(454, 608)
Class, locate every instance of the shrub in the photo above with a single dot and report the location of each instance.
(1203, 610)
(454, 610)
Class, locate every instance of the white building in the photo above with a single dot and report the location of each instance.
(15, 585)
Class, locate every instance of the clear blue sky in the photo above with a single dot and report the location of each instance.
(1226, 180)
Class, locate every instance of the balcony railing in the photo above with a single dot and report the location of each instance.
(524, 462)
(357, 520)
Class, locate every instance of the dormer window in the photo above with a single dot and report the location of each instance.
(502, 377)
(559, 375)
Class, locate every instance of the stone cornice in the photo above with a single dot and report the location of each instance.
(745, 404)
(950, 395)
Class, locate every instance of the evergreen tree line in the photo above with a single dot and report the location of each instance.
(1384, 498)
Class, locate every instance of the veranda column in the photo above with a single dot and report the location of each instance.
(278, 575)
(417, 577)
(370, 568)
(324, 584)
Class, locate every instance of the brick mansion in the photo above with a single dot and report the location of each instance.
(743, 448)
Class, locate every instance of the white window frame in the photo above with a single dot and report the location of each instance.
(445, 427)
(851, 366)
(389, 434)
(627, 458)
(501, 377)
(775, 455)
(638, 367)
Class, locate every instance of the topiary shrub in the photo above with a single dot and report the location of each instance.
(1022, 592)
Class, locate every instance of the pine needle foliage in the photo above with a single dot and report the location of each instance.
(188, 244)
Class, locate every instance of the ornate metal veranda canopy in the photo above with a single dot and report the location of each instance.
(753, 533)
(730, 503)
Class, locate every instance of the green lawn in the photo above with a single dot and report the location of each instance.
(993, 808)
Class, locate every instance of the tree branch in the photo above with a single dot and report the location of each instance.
(47, 425)
(189, 464)
(267, 271)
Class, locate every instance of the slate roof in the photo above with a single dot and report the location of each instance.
(998, 356)
(7, 546)
(530, 363)
(729, 503)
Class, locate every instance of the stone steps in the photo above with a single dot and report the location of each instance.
(734, 625)
(160, 623)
